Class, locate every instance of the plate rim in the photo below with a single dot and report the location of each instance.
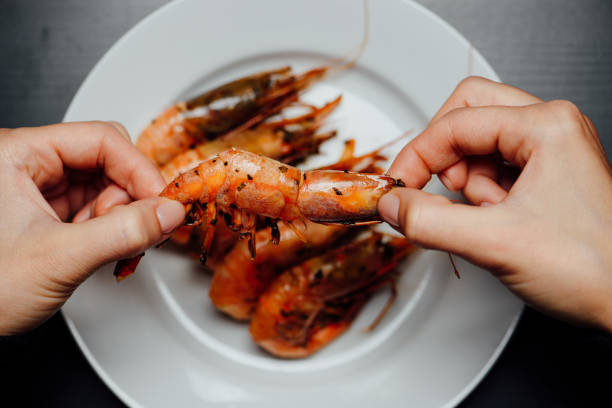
(473, 54)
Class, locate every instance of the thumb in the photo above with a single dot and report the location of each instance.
(433, 221)
(124, 231)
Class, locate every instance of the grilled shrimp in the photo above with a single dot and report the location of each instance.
(240, 185)
(243, 102)
(288, 140)
(311, 304)
(239, 279)
(234, 106)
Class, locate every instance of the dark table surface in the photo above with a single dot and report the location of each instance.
(556, 49)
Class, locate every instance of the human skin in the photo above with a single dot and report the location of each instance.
(540, 189)
(55, 174)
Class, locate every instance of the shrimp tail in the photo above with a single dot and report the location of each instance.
(126, 267)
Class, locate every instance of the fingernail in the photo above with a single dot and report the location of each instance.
(446, 182)
(388, 207)
(170, 215)
(82, 216)
(485, 204)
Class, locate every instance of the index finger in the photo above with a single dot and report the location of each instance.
(89, 145)
(477, 91)
(469, 131)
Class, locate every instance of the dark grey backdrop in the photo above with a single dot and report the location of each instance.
(552, 48)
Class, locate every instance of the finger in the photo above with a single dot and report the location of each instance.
(476, 91)
(592, 131)
(513, 131)
(455, 176)
(85, 213)
(124, 231)
(61, 207)
(482, 190)
(481, 187)
(89, 145)
(121, 129)
(72, 200)
(111, 196)
(73, 192)
(58, 189)
(432, 221)
(80, 194)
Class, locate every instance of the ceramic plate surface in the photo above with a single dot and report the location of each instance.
(156, 340)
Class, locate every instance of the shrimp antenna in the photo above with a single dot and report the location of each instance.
(346, 61)
(454, 266)
(394, 140)
(385, 308)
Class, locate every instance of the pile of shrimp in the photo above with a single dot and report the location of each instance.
(292, 252)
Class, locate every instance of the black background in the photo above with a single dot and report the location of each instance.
(556, 49)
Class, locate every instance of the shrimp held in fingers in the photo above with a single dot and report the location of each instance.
(314, 302)
(288, 140)
(239, 279)
(239, 185)
(225, 239)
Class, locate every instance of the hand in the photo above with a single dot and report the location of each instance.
(52, 173)
(546, 234)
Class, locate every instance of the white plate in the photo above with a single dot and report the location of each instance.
(156, 340)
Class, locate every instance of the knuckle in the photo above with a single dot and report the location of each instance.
(120, 128)
(471, 82)
(562, 123)
(106, 129)
(566, 110)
